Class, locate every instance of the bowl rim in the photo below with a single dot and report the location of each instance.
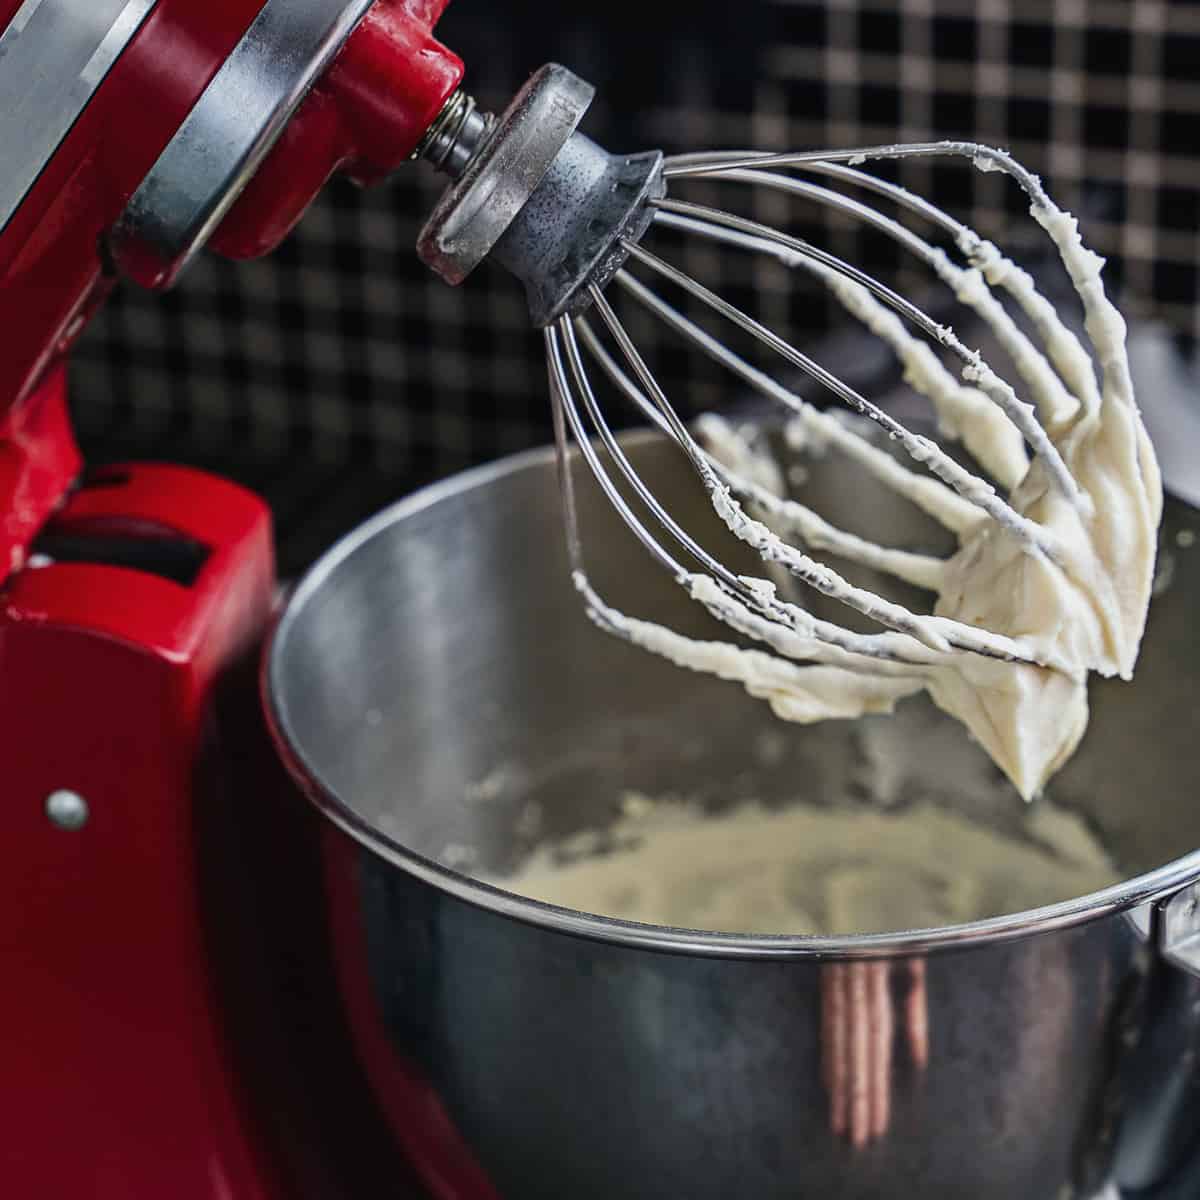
(1120, 898)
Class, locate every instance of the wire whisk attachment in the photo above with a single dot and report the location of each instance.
(1021, 512)
(1054, 496)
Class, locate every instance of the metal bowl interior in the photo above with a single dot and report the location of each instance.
(437, 689)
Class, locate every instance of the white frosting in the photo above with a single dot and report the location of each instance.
(964, 413)
(1056, 575)
(804, 694)
(810, 870)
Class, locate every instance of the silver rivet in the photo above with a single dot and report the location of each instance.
(68, 810)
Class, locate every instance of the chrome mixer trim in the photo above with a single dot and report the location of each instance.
(455, 136)
(228, 133)
(67, 809)
(537, 196)
(504, 172)
(1179, 932)
(54, 55)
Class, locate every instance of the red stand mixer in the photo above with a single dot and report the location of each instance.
(133, 132)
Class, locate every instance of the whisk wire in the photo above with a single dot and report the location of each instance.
(706, 217)
(1022, 415)
(951, 492)
(631, 476)
(1074, 363)
(774, 613)
(939, 634)
(564, 406)
(1062, 345)
(929, 494)
(969, 485)
(987, 158)
(922, 570)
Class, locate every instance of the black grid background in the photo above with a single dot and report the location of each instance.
(336, 374)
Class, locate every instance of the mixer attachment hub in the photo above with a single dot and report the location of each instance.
(540, 198)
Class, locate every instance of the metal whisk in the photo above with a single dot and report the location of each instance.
(573, 222)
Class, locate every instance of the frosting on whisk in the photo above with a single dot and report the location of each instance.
(1070, 600)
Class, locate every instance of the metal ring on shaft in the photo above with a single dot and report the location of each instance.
(504, 173)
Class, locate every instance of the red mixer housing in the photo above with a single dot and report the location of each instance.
(363, 116)
(128, 594)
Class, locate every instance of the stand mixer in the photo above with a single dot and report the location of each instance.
(133, 132)
(131, 136)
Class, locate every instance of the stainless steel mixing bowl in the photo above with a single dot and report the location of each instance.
(433, 682)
